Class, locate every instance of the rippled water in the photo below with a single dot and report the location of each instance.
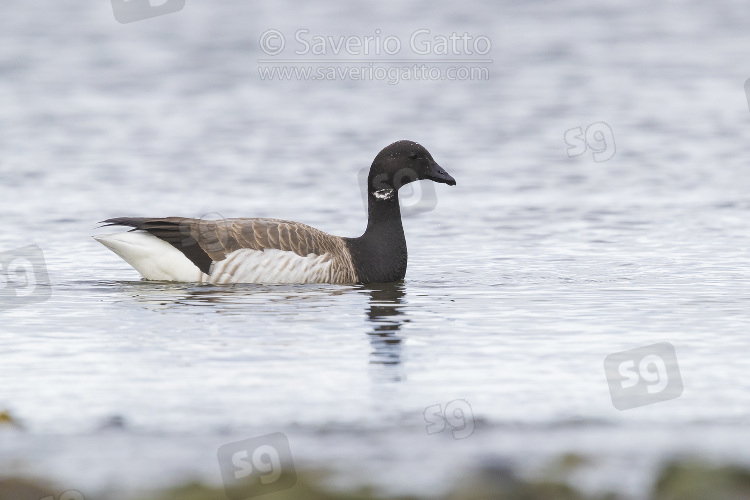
(524, 277)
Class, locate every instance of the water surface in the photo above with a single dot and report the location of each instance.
(524, 277)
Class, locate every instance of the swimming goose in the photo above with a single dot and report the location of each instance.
(279, 251)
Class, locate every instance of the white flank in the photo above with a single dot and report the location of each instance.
(156, 259)
(271, 266)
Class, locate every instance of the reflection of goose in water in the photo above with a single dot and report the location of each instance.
(272, 301)
(383, 315)
(235, 299)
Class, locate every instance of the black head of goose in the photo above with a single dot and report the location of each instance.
(277, 251)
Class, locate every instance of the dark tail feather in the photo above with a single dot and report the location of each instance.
(173, 230)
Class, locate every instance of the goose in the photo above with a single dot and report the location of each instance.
(273, 251)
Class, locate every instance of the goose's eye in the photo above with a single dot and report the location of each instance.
(413, 156)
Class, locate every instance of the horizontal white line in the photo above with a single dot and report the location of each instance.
(360, 61)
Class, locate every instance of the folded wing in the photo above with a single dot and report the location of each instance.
(252, 250)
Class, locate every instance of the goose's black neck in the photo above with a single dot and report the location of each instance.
(380, 255)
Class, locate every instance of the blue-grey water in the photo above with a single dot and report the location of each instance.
(523, 278)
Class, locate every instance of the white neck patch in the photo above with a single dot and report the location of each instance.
(384, 194)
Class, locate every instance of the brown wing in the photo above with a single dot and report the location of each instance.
(207, 241)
